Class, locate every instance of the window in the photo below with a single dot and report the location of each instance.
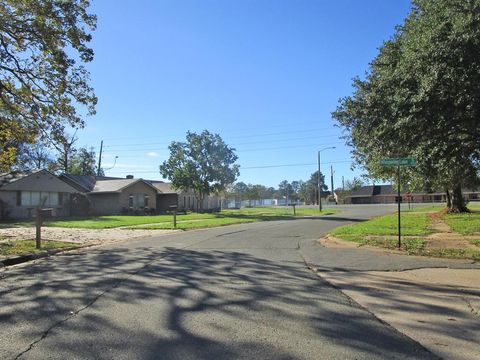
(37, 198)
(52, 199)
(137, 200)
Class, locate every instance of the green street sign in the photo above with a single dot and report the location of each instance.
(398, 162)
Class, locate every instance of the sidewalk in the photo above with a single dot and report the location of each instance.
(433, 301)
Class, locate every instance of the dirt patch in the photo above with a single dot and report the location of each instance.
(80, 236)
(437, 224)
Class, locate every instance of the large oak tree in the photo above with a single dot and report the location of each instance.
(204, 164)
(43, 44)
(421, 97)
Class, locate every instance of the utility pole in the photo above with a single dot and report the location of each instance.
(331, 178)
(100, 159)
(320, 185)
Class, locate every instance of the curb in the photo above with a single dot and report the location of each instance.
(29, 257)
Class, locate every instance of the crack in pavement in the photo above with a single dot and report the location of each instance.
(471, 307)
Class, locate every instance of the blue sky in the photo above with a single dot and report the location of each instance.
(265, 75)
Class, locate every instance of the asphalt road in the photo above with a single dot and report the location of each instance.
(241, 291)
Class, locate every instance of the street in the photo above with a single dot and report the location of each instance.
(242, 291)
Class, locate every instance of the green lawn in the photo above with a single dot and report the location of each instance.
(184, 221)
(474, 205)
(24, 247)
(114, 221)
(413, 224)
(381, 232)
(426, 208)
(199, 224)
(465, 224)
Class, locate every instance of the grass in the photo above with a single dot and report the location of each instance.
(474, 205)
(452, 253)
(184, 221)
(410, 245)
(426, 208)
(465, 224)
(24, 247)
(475, 242)
(114, 221)
(198, 224)
(413, 224)
(380, 232)
(4, 224)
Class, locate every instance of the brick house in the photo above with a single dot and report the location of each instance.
(21, 193)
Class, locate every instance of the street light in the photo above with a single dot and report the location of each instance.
(114, 163)
(319, 178)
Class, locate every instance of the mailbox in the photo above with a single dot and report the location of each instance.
(46, 213)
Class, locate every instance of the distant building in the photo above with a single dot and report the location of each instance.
(383, 194)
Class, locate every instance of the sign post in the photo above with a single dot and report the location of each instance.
(174, 211)
(399, 162)
(38, 229)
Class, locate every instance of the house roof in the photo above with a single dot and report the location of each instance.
(37, 180)
(372, 190)
(84, 183)
(7, 178)
(383, 190)
(117, 185)
(363, 191)
(163, 187)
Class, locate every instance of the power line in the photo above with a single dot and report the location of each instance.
(235, 136)
(232, 145)
(237, 150)
(268, 166)
(291, 165)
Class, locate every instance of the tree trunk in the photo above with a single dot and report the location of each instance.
(449, 199)
(457, 204)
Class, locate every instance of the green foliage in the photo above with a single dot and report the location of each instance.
(285, 189)
(308, 190)
(83, 162)
(420, 98)
(240, 190)
(354, 184)
(42, 43)
(12, 136)
(204, 164)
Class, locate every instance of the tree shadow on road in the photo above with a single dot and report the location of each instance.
(180, 303)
